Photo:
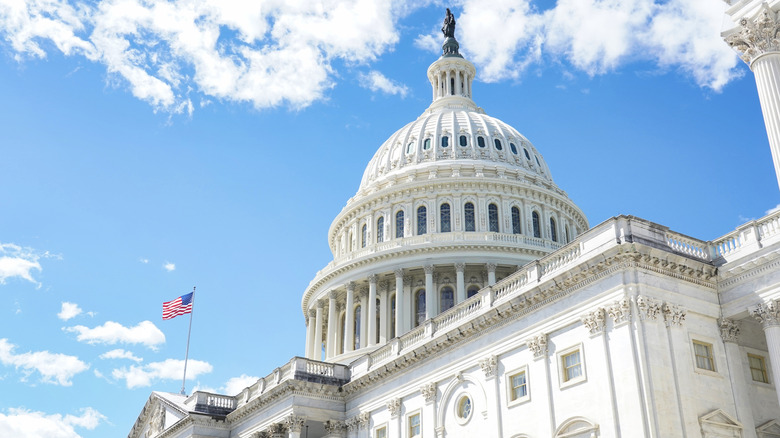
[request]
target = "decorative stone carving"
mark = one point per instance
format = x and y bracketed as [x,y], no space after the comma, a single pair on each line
[757,37]
[620,311]
[538,344]
[372,278]
[595,321]
[649,308]
[157,423]
[351,286]
[335,426]
[768,314]
[294,423]
[673,314]
[352,424]
[491,267]
[333,295]
[394,406]
[261,434]
[399,273]
[428,269]
[278,430]
[729,330]
[429,392]
[363,420]
[460,267]
[489,366]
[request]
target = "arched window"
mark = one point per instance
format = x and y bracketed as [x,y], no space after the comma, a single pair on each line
[452,86]
[445,218]
[468,217]
[419,307]
[513,148]
[410,147]
[566,231]
[527,155]
[516,221]
[357,328]
[445,141]
[471,291]
[497,143]
[553,230]
[422,218]
[392,316]
[380,229]
[537,227]
[446,298]
[493,217]
[481,141]
[427,144]
[363,236]
[399,224]
[464,141]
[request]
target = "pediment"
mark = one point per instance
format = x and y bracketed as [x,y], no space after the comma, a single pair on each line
[157,415]
[720,418]
[770,429]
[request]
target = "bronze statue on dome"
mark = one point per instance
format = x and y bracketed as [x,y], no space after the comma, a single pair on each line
[448,29]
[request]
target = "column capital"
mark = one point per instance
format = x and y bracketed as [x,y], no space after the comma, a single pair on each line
[729,330]
[351,286]
[460,267]
[332,295]
[491,267]
[756,37]
[294,423]
[372,279]
[489,366]
[394,406]
[321,303]
[595,321]
[399,273]
[538,345]
[429,392]
[312,313]
[428,269]
[768,314]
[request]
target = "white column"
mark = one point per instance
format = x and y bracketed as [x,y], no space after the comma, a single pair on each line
[399,302]
[458,88]
[430,302]
[317,353]
[751,40]
[372,328]
[310,333]
[729,331]
[460,284]
[447,86]
[768,314]
[491,268]
[383,312]
[349,318]
[363,319]
[330,344]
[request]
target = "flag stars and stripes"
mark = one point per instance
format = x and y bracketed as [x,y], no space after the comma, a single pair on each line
[179,306]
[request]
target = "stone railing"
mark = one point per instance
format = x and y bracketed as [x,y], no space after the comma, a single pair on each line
[750,236]
[209,403]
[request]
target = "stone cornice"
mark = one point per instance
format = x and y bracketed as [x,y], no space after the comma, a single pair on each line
[286,388]
[767,263]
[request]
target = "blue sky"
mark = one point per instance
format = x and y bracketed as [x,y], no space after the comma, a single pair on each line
[149,147]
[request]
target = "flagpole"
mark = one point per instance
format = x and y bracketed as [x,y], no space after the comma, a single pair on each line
[187,354]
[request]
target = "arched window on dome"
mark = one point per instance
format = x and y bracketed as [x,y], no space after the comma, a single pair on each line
[445,141]
[468,217]
[399,224]
[566,233]
[422,219]
[392,317]
[464,141]
[427,144]
[419,307]
[553,230]
[537,225]
[380,229]
[481,141]
[513,148]
[363,236]
[527,155]
[493,217]
[444,215]
[516,221]
[446,298]
[452,86]
[498,145]
[471,291]
[356,327]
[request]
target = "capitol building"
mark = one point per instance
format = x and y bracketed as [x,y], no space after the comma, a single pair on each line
[469,296]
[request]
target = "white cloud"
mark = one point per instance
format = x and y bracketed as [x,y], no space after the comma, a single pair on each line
[69,310]
[139,376]
[773,210]
[281,52]
[54,368]
[376,81]
[111,332]
[237,384]
[170,267]
[143,260]
[22,423]
[428,42]
[504,37]
[17,261]
[120,354]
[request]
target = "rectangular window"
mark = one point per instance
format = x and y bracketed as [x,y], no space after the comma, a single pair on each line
[703,353]
[414,425]
[519,386]
[572,365]
[757,368]
[381,432]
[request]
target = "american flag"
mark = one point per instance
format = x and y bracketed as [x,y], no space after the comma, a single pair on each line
[179,306]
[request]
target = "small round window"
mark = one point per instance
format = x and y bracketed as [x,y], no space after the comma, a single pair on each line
[464,408]
[427,144]
[445,141]
[513,147]
[497,142]
[481,142]
[527,155]
[463,140]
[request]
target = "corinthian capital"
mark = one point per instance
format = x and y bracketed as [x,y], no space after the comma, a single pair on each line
[756,37]
[768,314]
